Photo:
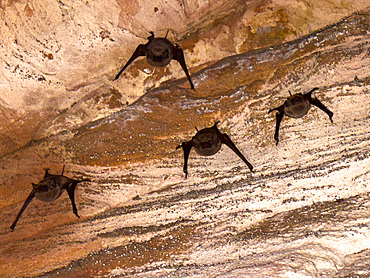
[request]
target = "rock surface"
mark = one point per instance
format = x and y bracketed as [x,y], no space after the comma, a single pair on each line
[304,212]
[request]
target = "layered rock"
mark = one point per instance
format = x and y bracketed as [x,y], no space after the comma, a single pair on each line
[304,211]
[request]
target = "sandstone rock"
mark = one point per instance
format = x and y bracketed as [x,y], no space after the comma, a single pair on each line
[305,210]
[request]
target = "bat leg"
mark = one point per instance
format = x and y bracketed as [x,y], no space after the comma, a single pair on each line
[186,147]
[279,117]
[225,139]
[26,203]
[63,170]
[310,92]
[71,193]
[178,55]
[317,103]
[140,51]
[280,109]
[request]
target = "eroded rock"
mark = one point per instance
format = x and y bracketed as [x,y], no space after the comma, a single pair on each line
[304,211]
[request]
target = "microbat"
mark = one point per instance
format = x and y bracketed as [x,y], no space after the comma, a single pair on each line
[208,142]
[296,106]
[50,189]
[159,52]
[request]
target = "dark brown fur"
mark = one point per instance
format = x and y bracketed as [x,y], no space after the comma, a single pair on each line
[49,189]
[159,52]
[207,142]
[296,106]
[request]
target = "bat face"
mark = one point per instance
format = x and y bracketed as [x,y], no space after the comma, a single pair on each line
[159,52]
[48,190]
[296,106]
[206,142]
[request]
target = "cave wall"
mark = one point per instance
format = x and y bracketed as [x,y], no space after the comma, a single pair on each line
[60,105]
[59,57]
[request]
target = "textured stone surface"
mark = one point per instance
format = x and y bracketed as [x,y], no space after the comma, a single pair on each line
[59,57]
[304,212]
